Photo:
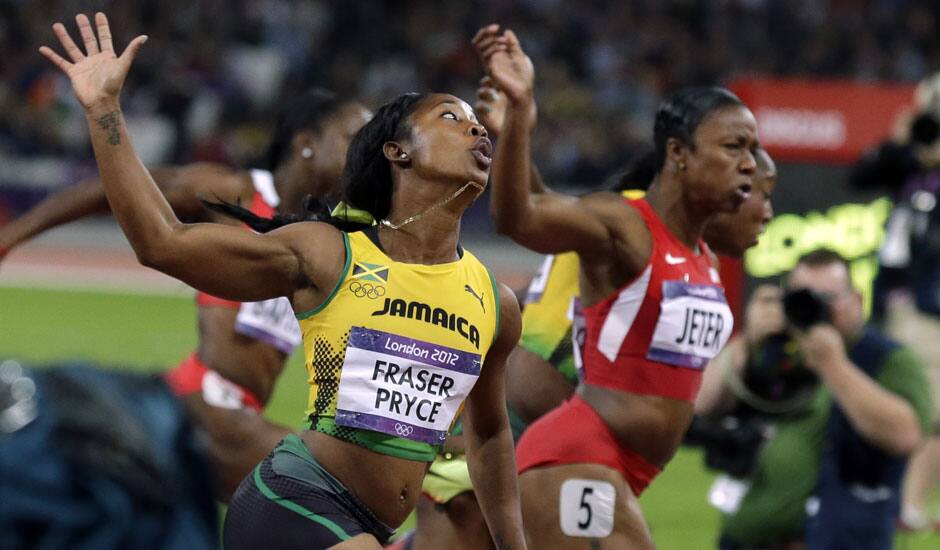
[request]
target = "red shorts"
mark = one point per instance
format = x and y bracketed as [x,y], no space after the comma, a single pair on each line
[193,376]
[575,434]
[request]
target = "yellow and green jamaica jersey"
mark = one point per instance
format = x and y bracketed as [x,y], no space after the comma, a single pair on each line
[393,352]
[548,313]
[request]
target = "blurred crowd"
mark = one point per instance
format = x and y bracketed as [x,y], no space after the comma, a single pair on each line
[207,83]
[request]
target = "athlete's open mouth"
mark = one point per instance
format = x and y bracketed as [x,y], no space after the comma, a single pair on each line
[743,192]
[482,151]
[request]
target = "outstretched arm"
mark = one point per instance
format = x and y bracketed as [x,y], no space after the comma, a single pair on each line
[545,222]
[222,260]
[77,201]
[86,198]
[488,437]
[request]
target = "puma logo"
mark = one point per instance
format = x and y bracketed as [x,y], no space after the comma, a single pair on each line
[475,295]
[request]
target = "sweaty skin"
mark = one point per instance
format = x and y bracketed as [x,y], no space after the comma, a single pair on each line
[304,261]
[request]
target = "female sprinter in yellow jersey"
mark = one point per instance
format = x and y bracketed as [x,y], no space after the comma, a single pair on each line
[401,326]
[242,347]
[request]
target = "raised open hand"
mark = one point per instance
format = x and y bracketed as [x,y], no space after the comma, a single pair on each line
[506,63]
[98,74]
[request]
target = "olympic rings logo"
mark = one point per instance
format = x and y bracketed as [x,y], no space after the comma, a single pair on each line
[403,430]
[366,290]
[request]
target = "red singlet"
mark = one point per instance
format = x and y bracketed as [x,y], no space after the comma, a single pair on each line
[656,334]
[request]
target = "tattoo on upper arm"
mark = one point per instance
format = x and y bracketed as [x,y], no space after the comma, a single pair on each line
[111,122]
[501,543]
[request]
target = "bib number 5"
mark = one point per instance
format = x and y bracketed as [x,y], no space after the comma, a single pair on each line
[586,508]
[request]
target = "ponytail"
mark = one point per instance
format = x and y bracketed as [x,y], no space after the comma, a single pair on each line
[343,217]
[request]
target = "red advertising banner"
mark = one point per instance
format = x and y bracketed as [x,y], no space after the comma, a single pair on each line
[822,120]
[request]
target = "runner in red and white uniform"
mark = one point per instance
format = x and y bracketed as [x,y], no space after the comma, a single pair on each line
[652,297]
[227,380]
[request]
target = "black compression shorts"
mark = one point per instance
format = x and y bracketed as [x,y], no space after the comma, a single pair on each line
[290,501]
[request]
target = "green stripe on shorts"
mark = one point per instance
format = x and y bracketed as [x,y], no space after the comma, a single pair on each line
[294,507]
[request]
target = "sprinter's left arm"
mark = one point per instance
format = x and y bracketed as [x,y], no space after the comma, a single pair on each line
[488,437]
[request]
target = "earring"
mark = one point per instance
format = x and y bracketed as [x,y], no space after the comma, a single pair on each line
[403,155]
[306,152]
[681,166]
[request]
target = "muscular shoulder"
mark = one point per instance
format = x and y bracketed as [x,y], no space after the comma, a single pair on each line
[320,248]
[630,238]
[315,239]
[609,205]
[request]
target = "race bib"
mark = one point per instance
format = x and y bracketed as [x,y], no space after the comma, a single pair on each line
[540,281]
[271,321]
[403,387]
[694,324]
[586,508]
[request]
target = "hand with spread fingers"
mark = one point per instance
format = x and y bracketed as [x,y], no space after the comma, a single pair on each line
[509,67]
[97,74]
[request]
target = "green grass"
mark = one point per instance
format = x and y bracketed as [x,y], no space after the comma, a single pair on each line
[154,333]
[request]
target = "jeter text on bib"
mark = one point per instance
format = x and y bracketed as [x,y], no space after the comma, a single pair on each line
[694,324]
[403,387]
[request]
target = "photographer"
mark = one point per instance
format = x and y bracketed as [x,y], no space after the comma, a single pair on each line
[839,449]
[908,167]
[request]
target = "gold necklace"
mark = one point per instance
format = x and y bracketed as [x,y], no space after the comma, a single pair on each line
[420,215]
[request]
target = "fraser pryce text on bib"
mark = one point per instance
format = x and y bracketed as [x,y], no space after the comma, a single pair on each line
[402,386]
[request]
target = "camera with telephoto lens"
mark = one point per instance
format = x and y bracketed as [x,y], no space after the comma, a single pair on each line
[729,443]
[804,308]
